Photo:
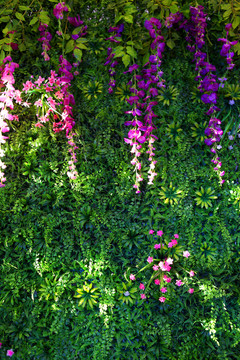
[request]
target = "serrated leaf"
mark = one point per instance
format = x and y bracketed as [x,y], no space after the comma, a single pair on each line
[69,46]
[131,52]
[33,21]
[170,43]
[128,18]
[126,60]
[78,54]
[19,16]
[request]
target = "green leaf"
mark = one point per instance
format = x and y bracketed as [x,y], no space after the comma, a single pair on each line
[131,52]
[236,22]
[126,60]
[4,19]
[19,16]
[82,46]
[78,54]
[33,21]
[128,18]
[118,51]
[44,18]
[69,46]
[24,8]
[170,43]
[2,56]
[174,9]
[146,58]
[22,47]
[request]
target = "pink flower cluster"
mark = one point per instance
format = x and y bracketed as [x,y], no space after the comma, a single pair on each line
[45,38]
[162,268]
[58,10]
[144,88]
[10,352]
[6,103]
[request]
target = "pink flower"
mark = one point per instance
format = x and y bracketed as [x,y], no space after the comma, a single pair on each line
[157,281]
[10,353]
[132,277]
[179,282]
[176,236]
[191,273]
[150,259]
[170,261]
[143,296]
[174,242]
[0,345]
[163,290]
[191,291]
[170,244]
[155,268]
[162,299]
[141,286]
[160,233]
[151,232]
[157,246]
[186,254]
[167,279]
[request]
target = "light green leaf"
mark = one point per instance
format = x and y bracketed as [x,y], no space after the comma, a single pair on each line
[126,60]
[2,56]
[236,22]
[69,46]
[128,18]
[131,52]
[19,16]
[33,21]
[78,54]
[174,9]
[82,46]
[22,47]
[44,18]
[4,19]
[24,8]
[170,43]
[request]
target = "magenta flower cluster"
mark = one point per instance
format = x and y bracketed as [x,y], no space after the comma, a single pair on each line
[45,39]
[144,88]
[163,267]
[58,10]
[9,353]
[110,60]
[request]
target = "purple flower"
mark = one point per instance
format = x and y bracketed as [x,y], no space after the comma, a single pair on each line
[58,10]
[75,21]
[231,102]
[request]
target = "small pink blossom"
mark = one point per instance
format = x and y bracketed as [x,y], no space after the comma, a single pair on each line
[162,299]
[191,273]
[0,345]
[170,244]
[132,277]
[10,352]
[163,289]
[167,279]
[151,232]
[155,267]
[150,259]
[179,282]
[157,281]
[176,236]
[160,233]
[141,286]
[143,296]
[157,246]
[186,254]
[191,291]
[174,242]
[170,261]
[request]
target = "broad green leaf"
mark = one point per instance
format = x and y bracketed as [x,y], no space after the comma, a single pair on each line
[82,46]
[22,47]
[146,58]
[126,60]
[7,47]
[24,8]
[78,54]
[128,18]
[174,8]
[2,56]
[19,16]
[236,22]
[33,21]
[4,19]
[131,52]
[69,46]
[170,43]
[118,51]
[44,18]
[77,30]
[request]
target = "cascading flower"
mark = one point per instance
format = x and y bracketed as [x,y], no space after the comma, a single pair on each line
[45,38]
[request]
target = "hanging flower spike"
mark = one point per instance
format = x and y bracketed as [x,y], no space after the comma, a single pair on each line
[58,10]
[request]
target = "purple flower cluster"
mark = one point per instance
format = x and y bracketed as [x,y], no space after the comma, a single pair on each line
[226,48]
[77,22]
[45,38]
[144,89]
[110,55]
[58,10]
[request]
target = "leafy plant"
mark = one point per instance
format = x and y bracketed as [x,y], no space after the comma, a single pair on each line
[88,295]
[204,197]
[170,194]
